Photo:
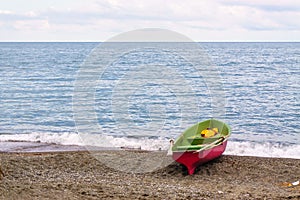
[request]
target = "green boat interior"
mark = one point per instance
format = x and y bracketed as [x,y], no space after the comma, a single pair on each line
[192,140]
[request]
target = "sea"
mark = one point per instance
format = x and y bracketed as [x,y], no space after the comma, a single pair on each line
[141,97]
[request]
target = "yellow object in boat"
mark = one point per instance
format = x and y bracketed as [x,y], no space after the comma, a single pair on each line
[209,132]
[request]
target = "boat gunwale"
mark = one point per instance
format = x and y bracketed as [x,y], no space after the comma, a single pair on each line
[197,150]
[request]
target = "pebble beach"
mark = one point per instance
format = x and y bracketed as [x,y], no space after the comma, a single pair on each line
[79,175]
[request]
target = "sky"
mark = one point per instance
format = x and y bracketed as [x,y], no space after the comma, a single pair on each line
[200,20]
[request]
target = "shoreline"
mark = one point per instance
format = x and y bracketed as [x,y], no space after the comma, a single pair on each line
[265,150]
[79,175]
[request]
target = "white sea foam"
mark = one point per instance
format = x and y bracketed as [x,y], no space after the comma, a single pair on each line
[241,148]
[263,149]
[63,138]
[89,140]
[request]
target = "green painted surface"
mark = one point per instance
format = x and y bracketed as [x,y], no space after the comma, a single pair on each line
[191,138]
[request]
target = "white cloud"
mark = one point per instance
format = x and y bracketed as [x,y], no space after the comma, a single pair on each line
[32,25]
[31,14]
[267,5]
[199,19]
[5,12]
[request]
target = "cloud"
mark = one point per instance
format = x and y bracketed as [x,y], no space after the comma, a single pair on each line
[109,17]
[5,12]
[202,14]
[9,16]
[250,15]
[266,5]
[26,25]
[23,21]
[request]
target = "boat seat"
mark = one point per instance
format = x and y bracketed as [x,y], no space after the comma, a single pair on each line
[201,140]
[190,147]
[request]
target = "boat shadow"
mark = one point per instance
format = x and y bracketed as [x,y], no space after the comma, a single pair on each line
[209,168]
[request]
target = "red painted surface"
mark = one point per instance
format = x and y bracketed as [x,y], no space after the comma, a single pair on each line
[192,159]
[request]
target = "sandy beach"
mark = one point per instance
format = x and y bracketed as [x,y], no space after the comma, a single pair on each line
[79,175]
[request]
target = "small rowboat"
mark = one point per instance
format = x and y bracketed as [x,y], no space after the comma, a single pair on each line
[193,148]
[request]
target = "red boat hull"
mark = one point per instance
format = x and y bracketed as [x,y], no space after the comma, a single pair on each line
[192,159]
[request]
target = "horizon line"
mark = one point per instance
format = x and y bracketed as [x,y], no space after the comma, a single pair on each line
[204,41]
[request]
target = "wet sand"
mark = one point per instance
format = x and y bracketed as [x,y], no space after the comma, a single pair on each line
[79,175]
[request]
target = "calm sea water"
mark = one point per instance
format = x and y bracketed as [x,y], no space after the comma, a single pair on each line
[260,83]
